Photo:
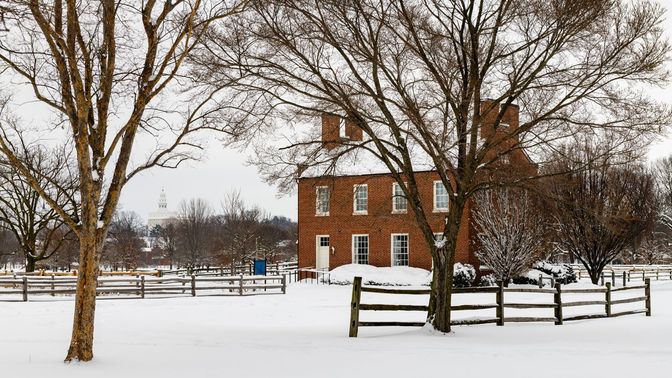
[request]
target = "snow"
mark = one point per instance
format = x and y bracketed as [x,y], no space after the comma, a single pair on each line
[372,275]
[304,334]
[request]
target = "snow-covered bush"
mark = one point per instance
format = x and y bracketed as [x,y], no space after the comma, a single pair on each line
[488,280]
[558,271]
[463,275]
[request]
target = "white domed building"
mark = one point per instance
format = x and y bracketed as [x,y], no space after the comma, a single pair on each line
[162,216]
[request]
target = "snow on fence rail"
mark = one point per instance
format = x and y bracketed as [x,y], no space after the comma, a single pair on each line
[500,304]
[142,286]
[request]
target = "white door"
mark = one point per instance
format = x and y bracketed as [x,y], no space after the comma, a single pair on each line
[322,260]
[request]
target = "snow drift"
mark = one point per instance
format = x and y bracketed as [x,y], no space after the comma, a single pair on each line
[386,276]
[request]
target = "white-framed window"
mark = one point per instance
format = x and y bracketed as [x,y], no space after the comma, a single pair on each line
[399,201]
[360,202]
[399,249]
[505,159]
[440,197]
[322,195]
[360,249]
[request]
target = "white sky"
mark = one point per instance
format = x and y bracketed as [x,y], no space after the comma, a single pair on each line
[224,170]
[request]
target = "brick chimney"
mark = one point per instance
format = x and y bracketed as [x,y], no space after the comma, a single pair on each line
[336,129]
[490,110]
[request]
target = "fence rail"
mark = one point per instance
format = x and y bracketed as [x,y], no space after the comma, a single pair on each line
[627,273]
[499,305]
[141,286]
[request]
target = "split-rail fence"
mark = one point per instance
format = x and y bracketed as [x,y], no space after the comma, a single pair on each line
[500,304]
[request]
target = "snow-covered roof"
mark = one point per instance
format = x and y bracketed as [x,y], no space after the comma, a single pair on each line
[358,161]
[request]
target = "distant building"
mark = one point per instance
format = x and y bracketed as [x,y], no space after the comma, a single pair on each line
[162,216]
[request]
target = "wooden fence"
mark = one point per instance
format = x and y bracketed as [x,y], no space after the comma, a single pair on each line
[499,305]
[141,286]
[627,273]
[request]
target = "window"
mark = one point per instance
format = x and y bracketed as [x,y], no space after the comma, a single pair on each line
[322,200]
[399,201]
[440,197]
[360,249]
[505,159]
[399,249]
[323,241]
[361,199]
[503,125]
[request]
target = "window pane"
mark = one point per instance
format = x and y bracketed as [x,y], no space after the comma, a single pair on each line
[400,250]
[361,198]
[360,246]
[399,202]
[440,196]
[322,206]
[324,241]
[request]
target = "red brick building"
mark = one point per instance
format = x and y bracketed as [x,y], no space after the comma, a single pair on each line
[363,218]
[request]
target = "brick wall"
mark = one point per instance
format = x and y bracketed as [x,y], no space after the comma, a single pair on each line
[379,222]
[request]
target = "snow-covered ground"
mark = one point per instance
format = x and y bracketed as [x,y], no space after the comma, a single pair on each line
[304,334]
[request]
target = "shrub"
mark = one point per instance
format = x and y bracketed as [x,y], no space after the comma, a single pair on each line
[488,280]
[558,271]
[463,275]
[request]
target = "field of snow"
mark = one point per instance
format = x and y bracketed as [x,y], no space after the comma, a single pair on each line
[304,334]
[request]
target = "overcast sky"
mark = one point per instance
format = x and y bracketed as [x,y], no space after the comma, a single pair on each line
[225,170]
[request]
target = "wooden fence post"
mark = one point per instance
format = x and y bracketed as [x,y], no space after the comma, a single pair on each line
[602,278]
[354,306]
[579,275]
[53,278]
[142,287]
[628,276]
[643,275]
[647,293]
[25,288]
[500,303]
[137,283]
[193,285]
[541,281]
[657,274]
[624,281]
[613,278]
[607,298]
[240,287]
[284,284]
[558,304]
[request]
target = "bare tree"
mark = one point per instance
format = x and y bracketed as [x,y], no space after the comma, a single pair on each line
[414,77]
[510,232]
[111,72]
[602,210]
[35,225]
[663,173]
[125,243]
[240,229]
[194,232]
[166,240]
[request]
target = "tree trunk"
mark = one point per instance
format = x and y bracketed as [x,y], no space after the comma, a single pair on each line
[81,343]
[440,300]
[30,263]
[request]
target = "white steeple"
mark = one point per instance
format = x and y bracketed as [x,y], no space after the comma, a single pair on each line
[163,203]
